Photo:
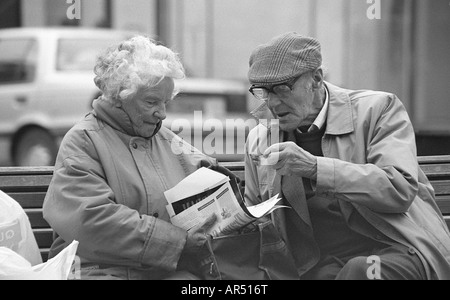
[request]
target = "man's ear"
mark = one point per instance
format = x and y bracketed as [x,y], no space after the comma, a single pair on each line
[317,78]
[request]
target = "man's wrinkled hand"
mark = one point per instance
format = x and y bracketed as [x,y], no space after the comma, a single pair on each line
[290,159]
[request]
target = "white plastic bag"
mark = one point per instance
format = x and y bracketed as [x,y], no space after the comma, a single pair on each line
[15,267]
[15,230]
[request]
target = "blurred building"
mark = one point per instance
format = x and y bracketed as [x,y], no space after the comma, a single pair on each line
[401,46]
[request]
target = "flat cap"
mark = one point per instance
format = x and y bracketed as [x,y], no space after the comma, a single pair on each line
[284,57]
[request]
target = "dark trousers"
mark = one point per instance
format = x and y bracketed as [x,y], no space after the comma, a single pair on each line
[391,263]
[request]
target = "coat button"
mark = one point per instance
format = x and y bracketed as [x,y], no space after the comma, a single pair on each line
[411,251]
[156,215]
[134,145]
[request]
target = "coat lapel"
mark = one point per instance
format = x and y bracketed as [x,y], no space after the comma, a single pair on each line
[294,191]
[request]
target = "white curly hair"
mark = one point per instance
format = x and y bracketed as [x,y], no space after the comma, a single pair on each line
[136,62]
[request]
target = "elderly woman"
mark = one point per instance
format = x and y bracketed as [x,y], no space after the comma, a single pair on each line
[114,166]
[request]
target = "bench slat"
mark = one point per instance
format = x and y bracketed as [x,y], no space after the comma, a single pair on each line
[20,171]
[44,237]
[233,166]
[36,218]
[444,204]
[28,200]
[440,159]
[20,183]
[441,187]
[433,170]
[44,253]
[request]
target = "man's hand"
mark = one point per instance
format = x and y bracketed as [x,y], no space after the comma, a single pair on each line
[289,159]
[197,235]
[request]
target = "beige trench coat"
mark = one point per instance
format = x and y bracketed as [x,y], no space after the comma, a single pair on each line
[370,167]
[107,193]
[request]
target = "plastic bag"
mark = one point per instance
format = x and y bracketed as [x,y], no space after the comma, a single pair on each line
[260,254]
[15,267]
[15,230]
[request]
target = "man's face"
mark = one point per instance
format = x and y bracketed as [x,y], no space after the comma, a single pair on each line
[297,108]
[147,107]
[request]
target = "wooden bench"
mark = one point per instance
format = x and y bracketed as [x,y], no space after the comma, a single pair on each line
[28,186]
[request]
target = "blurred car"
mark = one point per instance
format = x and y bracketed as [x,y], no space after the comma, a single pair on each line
[46,86]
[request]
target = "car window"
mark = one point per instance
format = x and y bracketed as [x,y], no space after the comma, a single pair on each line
[17,60]
[80,54]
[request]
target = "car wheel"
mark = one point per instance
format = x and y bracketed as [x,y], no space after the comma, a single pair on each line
[35,147]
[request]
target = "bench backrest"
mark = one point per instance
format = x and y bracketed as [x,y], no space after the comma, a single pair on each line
[28,186]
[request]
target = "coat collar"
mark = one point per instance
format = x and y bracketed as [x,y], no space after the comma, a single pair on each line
[339,116]
[115,116]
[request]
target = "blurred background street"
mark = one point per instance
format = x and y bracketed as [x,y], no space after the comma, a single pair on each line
[398,46]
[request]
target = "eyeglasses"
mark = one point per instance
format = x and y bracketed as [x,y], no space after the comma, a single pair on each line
[282,89]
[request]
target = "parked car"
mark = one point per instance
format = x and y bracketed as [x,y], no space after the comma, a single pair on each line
[213,116]
[46,86]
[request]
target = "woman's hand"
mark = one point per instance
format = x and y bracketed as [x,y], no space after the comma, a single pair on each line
[197,235]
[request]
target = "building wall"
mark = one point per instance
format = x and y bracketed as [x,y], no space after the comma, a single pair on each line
[41,13]
[405,51]
[432,67]
[216,37]
[141,16]
[34,13]
[10,13]
[239,26]
[334,39]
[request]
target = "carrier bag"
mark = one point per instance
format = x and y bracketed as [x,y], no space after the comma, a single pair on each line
[257,255]
[15,230]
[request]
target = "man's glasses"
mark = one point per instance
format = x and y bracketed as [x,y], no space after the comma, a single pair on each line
[282,89]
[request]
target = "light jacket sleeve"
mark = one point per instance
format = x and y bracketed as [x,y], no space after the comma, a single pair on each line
[388,181]
[81,206]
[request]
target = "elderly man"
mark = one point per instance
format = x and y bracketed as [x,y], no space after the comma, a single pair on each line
[345,162]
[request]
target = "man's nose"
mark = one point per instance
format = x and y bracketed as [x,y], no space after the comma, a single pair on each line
[273,100]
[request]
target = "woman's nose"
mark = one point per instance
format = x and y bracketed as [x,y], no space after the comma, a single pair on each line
[160,112]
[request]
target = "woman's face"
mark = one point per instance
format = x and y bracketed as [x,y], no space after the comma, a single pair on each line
[147,107]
